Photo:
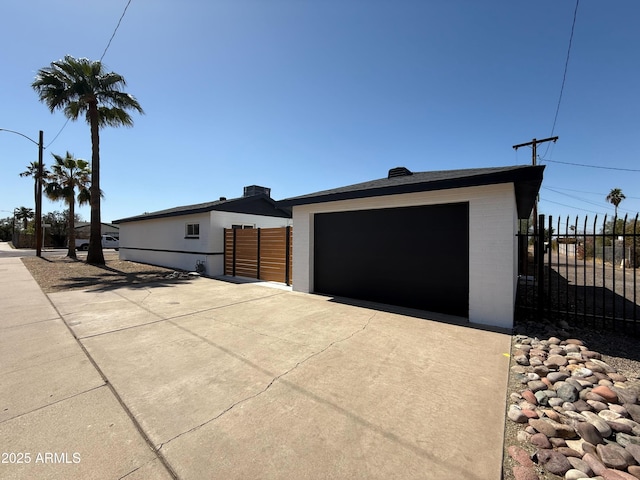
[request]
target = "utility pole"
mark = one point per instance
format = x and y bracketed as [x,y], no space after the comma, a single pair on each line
[534,156]
[538,231]
[39,181]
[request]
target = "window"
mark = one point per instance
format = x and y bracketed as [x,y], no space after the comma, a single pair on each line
[239,227]
[193,230]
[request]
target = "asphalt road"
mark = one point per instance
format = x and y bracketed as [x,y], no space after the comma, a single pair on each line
[46,252]
[621,281]
[29,252]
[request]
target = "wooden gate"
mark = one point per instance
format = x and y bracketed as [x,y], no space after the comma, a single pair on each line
[262,253]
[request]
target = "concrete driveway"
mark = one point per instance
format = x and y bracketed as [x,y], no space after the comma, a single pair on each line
[237,381]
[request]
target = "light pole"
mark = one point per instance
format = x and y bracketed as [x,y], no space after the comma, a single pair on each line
[40,143]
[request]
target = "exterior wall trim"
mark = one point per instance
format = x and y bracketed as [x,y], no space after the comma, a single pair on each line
[192,252]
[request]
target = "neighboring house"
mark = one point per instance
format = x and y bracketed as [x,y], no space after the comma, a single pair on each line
[183,236]
[83,229]
[441,241]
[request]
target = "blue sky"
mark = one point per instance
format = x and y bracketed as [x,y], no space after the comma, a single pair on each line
[301,95]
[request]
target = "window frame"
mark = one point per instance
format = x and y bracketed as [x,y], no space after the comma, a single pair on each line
[195,230]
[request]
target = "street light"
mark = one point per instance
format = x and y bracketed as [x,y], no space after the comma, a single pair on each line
[38,186]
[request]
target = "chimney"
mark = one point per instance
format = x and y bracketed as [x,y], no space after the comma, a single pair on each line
[222,199]
[252,190]
[399,172]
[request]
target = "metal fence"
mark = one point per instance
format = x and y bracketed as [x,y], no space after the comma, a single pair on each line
[584,272]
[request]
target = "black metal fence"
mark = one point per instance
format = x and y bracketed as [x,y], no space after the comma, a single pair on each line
[581,271]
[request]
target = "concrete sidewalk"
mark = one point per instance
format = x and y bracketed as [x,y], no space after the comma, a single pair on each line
[209,379]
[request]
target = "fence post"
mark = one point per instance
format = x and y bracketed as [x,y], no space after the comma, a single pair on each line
[540,263]
[258,257]
[233,263]
[287,260]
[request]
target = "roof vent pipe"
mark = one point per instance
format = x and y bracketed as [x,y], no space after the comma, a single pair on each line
[399,172]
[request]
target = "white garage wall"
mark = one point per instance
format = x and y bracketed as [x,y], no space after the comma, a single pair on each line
[492,243]
[162,241]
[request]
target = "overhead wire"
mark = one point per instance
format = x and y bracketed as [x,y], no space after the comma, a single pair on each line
[570,206]
[57,134]
[555,119]
[599,205]
[573,196]
[592,166]
[564,75]
[103,54]
[566,67]
[584,191]
[115,30]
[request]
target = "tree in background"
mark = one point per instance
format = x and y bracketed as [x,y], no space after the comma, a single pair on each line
[6,229]
[32,171]
[615,197]
[24,214]
[59,222]
[67,175]
[82,87]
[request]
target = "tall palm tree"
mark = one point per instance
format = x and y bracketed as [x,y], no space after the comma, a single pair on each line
[82,87]
[24,214]
[32,171]
[69,173]
[615,197]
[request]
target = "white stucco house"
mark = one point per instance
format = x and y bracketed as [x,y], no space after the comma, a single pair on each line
[183,236]
[442,241]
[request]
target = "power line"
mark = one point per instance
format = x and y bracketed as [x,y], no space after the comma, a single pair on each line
[57,134]
[573,196]
[591,166]
[103,54]
[581,200]
[566,66]
[584,191]
[569,206]
[115,30]
[564,76]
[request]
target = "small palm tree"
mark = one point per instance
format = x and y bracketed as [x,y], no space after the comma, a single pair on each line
[615,197]
[24,214]
[69,173]
[32,171]
[82,87]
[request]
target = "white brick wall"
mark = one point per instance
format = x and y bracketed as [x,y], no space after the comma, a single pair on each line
[492,244]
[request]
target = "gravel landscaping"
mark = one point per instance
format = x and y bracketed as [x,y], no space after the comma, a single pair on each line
[537,364]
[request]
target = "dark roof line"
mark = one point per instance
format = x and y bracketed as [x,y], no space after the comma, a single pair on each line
[527,180]
[236,205]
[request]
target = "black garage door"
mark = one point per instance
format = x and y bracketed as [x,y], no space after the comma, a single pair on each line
[415,257]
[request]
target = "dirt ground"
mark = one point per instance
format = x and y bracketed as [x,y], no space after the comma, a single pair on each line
[58,273]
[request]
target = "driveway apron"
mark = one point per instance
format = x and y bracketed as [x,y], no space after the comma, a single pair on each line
[241,381]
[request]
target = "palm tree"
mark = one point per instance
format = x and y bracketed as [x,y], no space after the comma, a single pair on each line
[24,214]
[82,87]
[32,171]
[68,174]
[615,197]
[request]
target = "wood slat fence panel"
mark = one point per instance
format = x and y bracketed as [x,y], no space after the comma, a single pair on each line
[261,253]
